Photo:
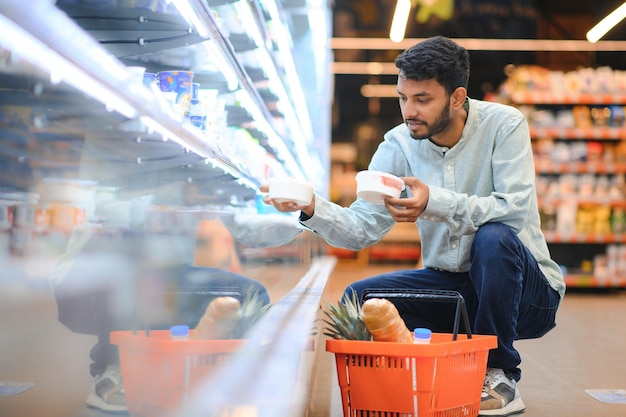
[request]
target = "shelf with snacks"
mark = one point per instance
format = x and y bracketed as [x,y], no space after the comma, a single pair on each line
[591,281]
[591,133]
[565,98]
[580,237]
[578,132]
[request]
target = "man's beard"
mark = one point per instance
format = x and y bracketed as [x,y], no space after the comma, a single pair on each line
[440,125]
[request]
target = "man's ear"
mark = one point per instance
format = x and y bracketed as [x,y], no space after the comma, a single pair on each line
[458,98]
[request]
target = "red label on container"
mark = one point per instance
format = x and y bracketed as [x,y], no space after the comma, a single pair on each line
[389,182]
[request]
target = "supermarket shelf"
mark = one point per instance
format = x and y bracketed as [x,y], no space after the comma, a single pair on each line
[550,167]
[604,133]
[590,281]
[584,202]
[548,97]
[591,238]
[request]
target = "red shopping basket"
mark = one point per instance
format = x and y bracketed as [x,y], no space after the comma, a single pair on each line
[440,379]
[160,373]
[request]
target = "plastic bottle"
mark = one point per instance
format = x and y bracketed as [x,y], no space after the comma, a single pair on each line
[179,332]
[421,336]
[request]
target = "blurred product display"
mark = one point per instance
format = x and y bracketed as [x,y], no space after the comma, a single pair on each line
[577,126]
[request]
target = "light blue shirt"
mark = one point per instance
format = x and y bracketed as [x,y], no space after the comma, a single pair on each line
[488,176]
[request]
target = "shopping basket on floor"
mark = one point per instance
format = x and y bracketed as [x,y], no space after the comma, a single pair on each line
[160,373]
[440,379]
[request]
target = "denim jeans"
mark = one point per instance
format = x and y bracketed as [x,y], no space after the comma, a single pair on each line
[506,294]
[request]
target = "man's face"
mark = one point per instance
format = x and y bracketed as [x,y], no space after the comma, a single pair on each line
[425,107]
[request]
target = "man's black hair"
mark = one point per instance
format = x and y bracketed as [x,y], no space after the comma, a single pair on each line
[439,58]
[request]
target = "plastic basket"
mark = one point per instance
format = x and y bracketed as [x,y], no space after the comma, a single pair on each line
[160,373]
[440,379]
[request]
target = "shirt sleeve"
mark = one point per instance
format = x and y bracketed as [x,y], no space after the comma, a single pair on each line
[357,227]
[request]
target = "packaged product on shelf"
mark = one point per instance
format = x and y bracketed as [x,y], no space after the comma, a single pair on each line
[618,220]
[602,220]
[600,116]
[617,116]
[582,116]
[566,217]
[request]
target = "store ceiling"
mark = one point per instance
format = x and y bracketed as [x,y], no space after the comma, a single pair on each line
[355,116]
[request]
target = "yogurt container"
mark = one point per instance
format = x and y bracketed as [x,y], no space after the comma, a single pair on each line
[374,186]
[284,189]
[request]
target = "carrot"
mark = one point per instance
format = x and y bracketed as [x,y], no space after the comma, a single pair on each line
[219,319]
[382,319]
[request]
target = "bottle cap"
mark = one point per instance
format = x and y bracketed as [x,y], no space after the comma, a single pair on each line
[422,333]
[179,330]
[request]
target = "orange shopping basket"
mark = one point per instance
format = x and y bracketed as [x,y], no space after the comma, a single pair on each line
[440,379]
[160,374]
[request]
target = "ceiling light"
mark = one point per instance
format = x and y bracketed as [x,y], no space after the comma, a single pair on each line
[399,22]
[606,24]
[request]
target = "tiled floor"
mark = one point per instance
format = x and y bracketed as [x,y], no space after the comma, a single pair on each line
[585,351]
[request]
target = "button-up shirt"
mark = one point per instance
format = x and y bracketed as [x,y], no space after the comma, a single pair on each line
[488,176]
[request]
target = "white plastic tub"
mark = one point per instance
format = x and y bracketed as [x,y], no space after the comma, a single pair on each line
[285,189]
[374,186]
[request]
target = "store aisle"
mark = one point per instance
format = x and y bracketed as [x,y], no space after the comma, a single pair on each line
[584,352]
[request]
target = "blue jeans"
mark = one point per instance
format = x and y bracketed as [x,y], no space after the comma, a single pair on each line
[506,294]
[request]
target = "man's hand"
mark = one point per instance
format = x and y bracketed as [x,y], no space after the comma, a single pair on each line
[287,206]
[409,209]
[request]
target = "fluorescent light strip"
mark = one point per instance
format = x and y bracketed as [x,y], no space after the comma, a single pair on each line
[302,121]
[371,68]
[232,81]
[191,16]
[249,22]
[379,90]
[261,123]
[400,19]
[475,44]
[606,24]
[23,44]
[278,88]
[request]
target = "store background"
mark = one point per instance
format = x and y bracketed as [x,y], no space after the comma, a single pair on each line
[488,19]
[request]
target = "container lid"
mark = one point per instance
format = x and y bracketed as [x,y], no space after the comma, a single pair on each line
[385,178]
[179,330]
[422,333]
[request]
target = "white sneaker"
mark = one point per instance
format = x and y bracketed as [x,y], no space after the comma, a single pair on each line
[500,396]
[107,393]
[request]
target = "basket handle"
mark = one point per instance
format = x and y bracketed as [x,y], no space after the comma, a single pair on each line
[429,295]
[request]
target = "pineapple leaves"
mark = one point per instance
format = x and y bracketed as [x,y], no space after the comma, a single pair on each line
[343,320]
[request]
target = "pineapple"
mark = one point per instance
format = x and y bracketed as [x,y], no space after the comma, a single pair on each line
[227,318]
[252,309]
[344,320]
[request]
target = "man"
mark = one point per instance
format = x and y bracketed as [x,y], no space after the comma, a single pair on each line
[470,187]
